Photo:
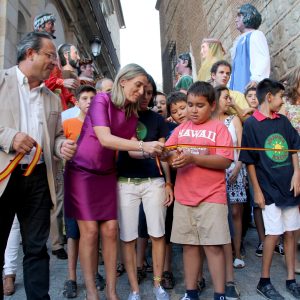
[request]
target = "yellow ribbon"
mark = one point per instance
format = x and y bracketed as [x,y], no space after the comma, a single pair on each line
[14,163]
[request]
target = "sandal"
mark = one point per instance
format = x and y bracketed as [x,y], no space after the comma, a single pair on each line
[201,285]
[167,280]
[9,284]
[70,289]
[120,269]
[238,263]
[147,267]
[141,274]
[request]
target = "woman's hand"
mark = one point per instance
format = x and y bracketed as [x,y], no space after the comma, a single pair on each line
[235,172]
[153,148]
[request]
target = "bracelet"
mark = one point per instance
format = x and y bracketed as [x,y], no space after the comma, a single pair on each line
[157,278]
[169,184]
[141,146]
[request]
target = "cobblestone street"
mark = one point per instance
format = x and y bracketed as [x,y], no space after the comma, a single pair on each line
[246,278]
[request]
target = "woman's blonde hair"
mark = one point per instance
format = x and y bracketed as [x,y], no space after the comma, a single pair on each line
[118,97]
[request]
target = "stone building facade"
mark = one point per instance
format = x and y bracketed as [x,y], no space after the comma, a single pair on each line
[77,22]
[187,22]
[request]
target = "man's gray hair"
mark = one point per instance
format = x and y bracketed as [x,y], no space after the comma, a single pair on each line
[33,40]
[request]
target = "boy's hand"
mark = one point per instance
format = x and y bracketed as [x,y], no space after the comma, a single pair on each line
[295,183]
[182,159]
[169,196]
[259,199]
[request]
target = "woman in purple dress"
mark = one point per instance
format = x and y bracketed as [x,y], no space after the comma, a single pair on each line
[90,178]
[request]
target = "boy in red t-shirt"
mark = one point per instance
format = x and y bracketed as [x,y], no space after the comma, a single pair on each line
[200,211]
[72,128]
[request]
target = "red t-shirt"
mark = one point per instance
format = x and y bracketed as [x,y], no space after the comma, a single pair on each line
[195,184]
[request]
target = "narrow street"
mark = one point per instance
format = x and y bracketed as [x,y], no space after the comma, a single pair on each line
[246,278]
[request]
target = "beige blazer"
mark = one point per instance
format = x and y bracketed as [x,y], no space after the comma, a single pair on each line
[10,124]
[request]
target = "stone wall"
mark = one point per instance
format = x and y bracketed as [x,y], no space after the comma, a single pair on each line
[187,22]
[75,23]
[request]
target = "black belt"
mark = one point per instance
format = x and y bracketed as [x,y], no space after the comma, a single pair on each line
[23,167]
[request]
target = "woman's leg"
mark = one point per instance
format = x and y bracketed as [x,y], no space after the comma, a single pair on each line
[109,231]
[158,257]
[88,247]
[129,257]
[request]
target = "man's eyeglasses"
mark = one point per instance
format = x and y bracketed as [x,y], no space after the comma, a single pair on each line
[51,56]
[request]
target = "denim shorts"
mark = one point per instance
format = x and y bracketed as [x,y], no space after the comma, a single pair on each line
[72,229]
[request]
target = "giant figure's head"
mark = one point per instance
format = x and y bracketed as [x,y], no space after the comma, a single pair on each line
[251,18]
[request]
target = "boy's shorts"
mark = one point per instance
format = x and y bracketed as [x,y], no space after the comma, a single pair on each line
[151,192]
[278,220]
[205,224]
[72,229]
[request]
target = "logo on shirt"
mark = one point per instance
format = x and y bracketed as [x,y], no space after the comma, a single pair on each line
[141,131]
[278,142]
[206,134]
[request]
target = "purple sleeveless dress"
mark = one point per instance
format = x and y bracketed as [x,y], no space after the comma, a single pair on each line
[90,177]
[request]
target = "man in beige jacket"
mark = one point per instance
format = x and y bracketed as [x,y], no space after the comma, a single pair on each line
[30,115]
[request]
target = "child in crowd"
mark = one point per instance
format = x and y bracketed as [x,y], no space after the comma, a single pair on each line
[177,110]
[250,95]
[236,173]
[72,128]
[275,176]
[200,210]
[160,102]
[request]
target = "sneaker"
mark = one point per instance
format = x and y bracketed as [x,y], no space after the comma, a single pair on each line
[134,296]
[231,291]
[201,284]
[259,250]
[160,293]
[100,282]
[70,289]
[186,297]
[279,249]
[269,292]
[294,289]
[238,263]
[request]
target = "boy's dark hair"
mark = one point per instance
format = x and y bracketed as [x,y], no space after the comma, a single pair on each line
[268,86]
[218,91]
[251,88]
[174,98]
[201,88]
[84,88]
[219,63]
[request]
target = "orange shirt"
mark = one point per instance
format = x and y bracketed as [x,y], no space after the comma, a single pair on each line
[72,128]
